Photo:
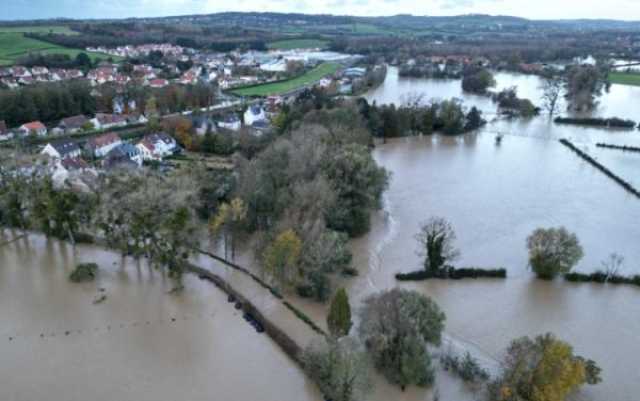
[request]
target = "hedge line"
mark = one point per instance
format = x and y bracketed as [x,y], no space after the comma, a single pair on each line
[451,273]
[602,277]
[624,147]
[602,168]
[614,122]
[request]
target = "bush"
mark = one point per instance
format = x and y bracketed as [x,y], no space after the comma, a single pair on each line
[614,122]
[84,272]
[553,251]
[453,274]
[602,277]
[467,367]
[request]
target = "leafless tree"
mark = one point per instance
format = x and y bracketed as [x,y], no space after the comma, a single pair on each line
[551,87]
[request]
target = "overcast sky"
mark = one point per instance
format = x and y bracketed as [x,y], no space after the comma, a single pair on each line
[538,9]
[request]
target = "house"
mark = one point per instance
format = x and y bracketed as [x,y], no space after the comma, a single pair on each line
[106,121]
[354,72]
[254,113]
[203,124]
[39,71]
[136,118]
[62,149]
[100,145]
[230,122]
[33,128]
[156,146]
[123,155]
[158,83]
[73,124]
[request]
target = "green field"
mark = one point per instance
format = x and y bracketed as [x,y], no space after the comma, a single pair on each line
[15,45]
[278,88]
[298,44]
[59,29]
[625,78]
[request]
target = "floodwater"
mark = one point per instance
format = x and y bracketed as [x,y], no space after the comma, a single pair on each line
[494,196]
[141,343]
[63,347]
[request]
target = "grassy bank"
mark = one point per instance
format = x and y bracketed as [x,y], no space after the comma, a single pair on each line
[625,78]
[291,44]
[14,45]
[277,88]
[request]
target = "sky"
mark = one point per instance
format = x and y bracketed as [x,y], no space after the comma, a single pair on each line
[538,9]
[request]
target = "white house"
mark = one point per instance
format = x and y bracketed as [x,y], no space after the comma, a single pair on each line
[230,122]
[156,146]
[34,127]
[106,121]
[99,146]
[62,149]
[254,113]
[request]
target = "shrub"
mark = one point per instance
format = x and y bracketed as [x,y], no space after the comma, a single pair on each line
[553,251]
[453,274]
[467,367]
[84,272]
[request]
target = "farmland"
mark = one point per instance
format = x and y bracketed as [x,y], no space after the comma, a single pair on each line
[57,29]
[625,78]
[298,44]
[277,88]
[14,45]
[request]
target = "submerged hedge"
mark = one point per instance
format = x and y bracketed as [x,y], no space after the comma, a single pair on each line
[618,147]
[597,122]
[451,273]
[602,278]
[84,272]
[624,184]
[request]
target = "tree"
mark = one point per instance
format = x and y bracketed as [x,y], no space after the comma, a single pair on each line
[551,88]
[477,80]
[474,119]
[340,368]
[584,84]
[541,369]
[227,221]
[553,251]
[436,238]
[339,318]
[397,325]
[281,257]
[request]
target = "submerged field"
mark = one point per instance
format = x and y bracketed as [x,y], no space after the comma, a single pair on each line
[625,78]
[298,44]
[14,45]
[277,88]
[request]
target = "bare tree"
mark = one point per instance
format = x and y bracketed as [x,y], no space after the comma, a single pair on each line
[612,265]
[551,87]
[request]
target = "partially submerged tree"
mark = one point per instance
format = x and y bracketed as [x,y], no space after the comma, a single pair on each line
[281,258]
[397,326]
[339,318]
[553,251]
[227,222]
[541,369]
[340,368]
[436,238]
[551,89]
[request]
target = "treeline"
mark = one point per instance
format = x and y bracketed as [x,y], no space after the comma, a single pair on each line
[448,117]
[613,122]
[46,102]
[81,61]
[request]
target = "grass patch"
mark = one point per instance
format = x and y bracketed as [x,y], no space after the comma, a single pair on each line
[14,45]
[57,29]
[291,44]
[625,78]
[277,88]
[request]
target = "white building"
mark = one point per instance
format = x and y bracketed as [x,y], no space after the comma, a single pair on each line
[62,149]
[156,146]
[254,113]
[99,146]
[230,122]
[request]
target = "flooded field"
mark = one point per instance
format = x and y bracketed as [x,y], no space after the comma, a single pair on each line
[141,343]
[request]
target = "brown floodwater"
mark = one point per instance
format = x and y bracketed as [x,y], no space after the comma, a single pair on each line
[141,343]
[64,347]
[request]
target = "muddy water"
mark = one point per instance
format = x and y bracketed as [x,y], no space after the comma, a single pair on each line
[65,348]
[495,196]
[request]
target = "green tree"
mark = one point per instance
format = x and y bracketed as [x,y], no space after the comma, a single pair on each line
[553,251]
[541,369]
[397,325]
[340,368]
[339,318]
[436,238]
[228,220]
